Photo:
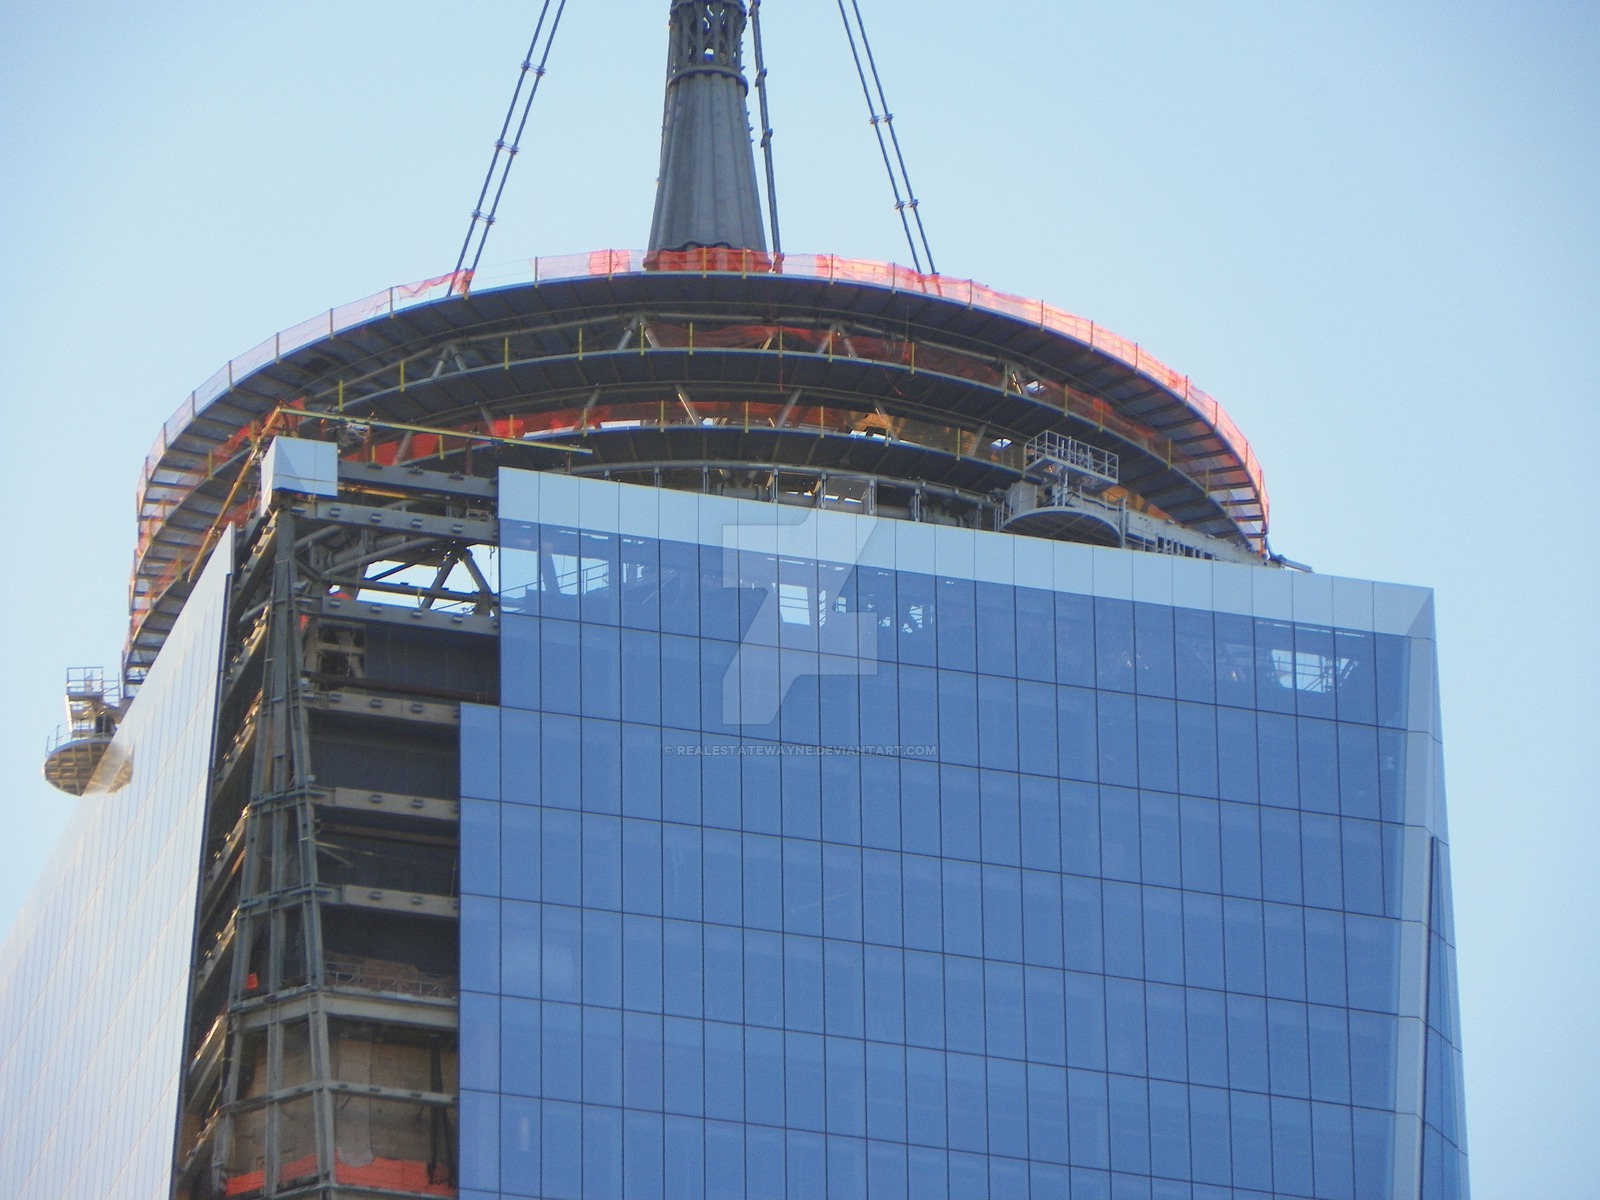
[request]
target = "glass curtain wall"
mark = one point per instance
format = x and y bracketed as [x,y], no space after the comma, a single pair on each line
[94,980]
[809,855]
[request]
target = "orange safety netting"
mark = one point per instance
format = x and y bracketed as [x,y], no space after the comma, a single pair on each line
[381,1174]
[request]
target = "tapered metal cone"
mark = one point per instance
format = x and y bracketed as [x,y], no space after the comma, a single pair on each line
[706,194]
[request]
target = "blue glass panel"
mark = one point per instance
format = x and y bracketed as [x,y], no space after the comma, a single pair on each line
[1125,1027]
[1373,1139]
[1277,670]
[1291,1146]
[1209,1136]
[1043,1012]
[1362,853]
[561,1039]
[880,810]
[1158,744]
[1286,951]
[641,677]
[1373,1060]
[725,1155]
[1119,833]
[1089,1136]
[1319,766]
[1234,645]
[602,1056]
[1080,828]
[480,846]
[1074,639]
[602,862]
[1158,839]
[519,659]
[802,983]
[644,1149]
[1153,644]
[561,773]
[764,1163]
[1244,942]
[1278,758]
[602,959]
[802,798]
[1372,957]
[641,771]
[1124,930]
[1323,877]
[764,1076]
[1197,749]
[956,624]
[997,619]
[599,656]
[1330,1054]
[682,968]
[521,1069]
[1393,661]
[642,1061]
[520,768]
[1325,968]
[805,1081]
[845,1069]
[519,1146]
[641,963]
[561,847]
[724,973]
[1163,935]
[1208,1038]
[1004,1010]
[1035,624]
[1000,818]
[1083,923]
[997,722]
[1251,1129]
[841,892]
[883,969]
[559,679]
[924,902]
[1237,752]
[681,872]
[958,717]
[847,1166]
[641,867]
[963,1004]
[1316,671]
[841,799]
[1203,953]
[843,977]
[1042,929]
[1086,1020]
[724,1071]
[1247,1043]
[1002,913]
[802,887]
[915,623]
[763,978]
[1130,1125]
[1040,824]
[1287,1048]
[886,1091]
[966,1092]
[1116,730]
[924,984]
[1076,733]
[1047,1113]
[1201,843]
[763,882]
[1169,1130]
[1194,659]
[685,1077]
[1280,856]
[1167,1032]
[881,897]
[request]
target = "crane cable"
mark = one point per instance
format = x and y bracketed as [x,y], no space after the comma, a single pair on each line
[505,153]
[879,122]
[766,125]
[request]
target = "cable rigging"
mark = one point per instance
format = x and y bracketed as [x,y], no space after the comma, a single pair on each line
[881,121]
[505,153]
[766,125]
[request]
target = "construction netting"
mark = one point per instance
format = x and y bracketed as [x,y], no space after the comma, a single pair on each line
[1239,486]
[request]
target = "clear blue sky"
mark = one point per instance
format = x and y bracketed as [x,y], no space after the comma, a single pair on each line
[1371,229]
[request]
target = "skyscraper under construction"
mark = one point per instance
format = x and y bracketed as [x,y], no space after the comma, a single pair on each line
[713,722]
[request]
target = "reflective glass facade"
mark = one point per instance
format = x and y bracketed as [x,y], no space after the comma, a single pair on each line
[812,855]
[94,979]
